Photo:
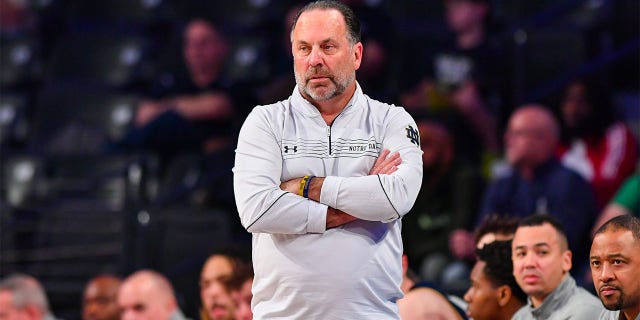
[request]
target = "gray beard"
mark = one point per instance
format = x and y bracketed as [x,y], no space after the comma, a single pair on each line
[337,89]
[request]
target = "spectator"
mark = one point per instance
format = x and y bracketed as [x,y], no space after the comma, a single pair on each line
[541,264]
[412,306]
[615,263]
[494,293]
[148,295]
[625,201]
[192,111]
[100,298]
[239,287]
[217,303]
[418,302]
[427,302]
[594,144]
[448,197]
[464,77]
[22,297]
[539,183]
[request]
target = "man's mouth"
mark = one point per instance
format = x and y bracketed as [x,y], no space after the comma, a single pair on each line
[531,278]
[608,290]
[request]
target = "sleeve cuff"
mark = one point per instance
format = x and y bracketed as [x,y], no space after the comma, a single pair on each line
[317,218]
[329,191]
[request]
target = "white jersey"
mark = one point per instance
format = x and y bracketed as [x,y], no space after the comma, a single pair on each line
[303,271]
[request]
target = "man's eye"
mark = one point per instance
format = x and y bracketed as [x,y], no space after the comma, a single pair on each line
[595,263]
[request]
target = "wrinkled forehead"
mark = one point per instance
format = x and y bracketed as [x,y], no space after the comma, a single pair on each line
[319,23]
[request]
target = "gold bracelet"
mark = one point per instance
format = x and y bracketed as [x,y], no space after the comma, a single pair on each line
[302,183]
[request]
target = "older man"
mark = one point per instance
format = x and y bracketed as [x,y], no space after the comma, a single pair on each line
[615,264]
[315,187]
[23,298]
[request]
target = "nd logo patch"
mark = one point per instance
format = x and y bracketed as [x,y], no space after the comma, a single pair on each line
[413,135]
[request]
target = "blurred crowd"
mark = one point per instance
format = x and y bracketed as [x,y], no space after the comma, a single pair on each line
[508,130]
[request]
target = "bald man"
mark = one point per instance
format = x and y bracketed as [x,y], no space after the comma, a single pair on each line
[99,300]
[539,183]
[148,295]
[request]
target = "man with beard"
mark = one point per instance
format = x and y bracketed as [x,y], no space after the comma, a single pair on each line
[615,263]
[315,185]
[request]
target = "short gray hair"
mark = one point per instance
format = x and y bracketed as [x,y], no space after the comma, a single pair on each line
[25,290]
[354,34]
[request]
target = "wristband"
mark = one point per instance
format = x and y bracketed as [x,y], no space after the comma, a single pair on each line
[305,190]
[303,182]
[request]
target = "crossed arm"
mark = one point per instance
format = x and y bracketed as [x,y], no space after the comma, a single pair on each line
[265,205]
[385,164]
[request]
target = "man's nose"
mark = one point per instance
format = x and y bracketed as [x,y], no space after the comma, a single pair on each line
[316,57]
[529,260]
[606,273]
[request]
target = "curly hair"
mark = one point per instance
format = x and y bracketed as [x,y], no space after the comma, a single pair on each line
[499,267]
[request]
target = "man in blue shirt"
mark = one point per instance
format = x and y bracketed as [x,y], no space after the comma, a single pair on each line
[537,183]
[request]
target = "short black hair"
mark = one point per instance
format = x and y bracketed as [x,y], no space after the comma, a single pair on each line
[624,222]
[354,33]
[496,224]
[536,220]
[499,267]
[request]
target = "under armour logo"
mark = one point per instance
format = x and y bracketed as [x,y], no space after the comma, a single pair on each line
[287,148]
[413,135]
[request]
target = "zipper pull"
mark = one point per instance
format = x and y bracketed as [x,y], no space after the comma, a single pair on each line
[328,131]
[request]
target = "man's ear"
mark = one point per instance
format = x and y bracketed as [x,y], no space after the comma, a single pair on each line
[504,295]
[357,52]
[566,261]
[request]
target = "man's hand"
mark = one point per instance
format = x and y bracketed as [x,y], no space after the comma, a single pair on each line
[386,165]
[291,185]
[336,218]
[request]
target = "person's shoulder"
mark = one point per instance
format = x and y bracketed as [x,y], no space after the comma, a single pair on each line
[561,171]
[587,297]
[584,304]
[269,113]
[387,111]
[523,313]
[609,315]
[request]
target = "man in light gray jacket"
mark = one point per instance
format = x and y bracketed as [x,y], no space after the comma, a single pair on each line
[541,264]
